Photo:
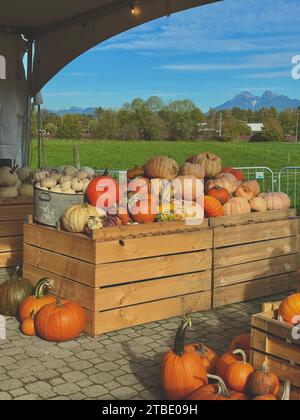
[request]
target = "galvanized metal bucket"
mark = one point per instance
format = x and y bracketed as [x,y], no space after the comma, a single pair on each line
[49,206]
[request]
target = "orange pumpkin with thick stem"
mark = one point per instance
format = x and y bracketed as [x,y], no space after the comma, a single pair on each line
[60,321]
[238,374]
[216,392]
[262,382]
[225,361]
[32,304]
[221,194]
[182,371]
[212,207]
[289,309]
[209,356]
[241,342]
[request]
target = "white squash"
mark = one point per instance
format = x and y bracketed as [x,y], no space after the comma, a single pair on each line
[49,182]
[26,190]
[77,185]
[40,174]
[9,192]
[25,174]
[69,191]
[8,177]
[56,189]
[90,171]
[66,178]
[70,171]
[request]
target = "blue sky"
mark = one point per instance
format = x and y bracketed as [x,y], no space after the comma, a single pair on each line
[207,54]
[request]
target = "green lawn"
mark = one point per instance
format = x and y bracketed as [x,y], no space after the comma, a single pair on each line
[123,155]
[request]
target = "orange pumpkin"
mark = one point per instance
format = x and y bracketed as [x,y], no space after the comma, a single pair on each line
[241,342]
[227,181]
[238,374]
[182,371]
[60,321]
[262,383]
[220,194]
[27,326]
[244,192]
[289,309]
[238,174]
[32,304]
[212,207]
[267,397]
[218,392]
[225,361]
[209,357]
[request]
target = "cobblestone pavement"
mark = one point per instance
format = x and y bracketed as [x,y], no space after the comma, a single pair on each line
[119,365]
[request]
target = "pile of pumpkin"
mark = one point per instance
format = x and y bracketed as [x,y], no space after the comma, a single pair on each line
[187,370]
[16,182]
[40,313]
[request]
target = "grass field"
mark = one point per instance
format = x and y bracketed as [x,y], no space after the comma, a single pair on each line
[123,155]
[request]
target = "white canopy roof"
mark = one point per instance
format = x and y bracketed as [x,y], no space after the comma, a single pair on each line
[64,29]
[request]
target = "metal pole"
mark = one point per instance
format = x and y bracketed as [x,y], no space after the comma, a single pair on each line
[39,136]
[26,150]
[297,126]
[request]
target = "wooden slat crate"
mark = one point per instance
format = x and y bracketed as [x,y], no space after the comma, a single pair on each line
[272,342]
[12,215]
[254,255]
[125,277]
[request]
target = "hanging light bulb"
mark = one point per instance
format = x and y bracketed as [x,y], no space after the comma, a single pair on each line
[133,9]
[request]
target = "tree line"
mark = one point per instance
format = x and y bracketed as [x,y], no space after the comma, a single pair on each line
[152,119]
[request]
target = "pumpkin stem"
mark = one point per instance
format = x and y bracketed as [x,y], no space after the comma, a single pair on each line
[202,350]
[59,303]
[223,391]
[15,275]
[286,396]
[180,336]
[242,353]
[40,289]
[105,173]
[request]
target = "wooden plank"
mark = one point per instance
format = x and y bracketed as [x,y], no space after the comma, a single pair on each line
[64,288]
[11,243]
[61,265]
[15,201]
[273,327]
[285,371]
[18,212]
[11,259]
[72,245]
[276,347]
[13,228]
[151,268]
[267,216]
[256,270]
[90,325]
[146,229]
[295,394]
[148,312]
[235,235]
[144,247]
[254,289]
[146,291]
[226,257]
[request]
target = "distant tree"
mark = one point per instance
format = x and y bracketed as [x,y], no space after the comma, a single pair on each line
[69,127]
[154,104]
[51,128]
[273,131]
[233,129]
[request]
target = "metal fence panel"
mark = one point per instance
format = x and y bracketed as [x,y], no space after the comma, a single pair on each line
[289,183]
[264,175]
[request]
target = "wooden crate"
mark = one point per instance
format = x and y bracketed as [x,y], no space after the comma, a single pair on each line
[125,277]
[12,215]
[254,255]
[272,342]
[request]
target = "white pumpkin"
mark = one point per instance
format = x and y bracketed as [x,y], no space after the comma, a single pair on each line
[8,177]
[258,204]
[9,192]
[83,174]
[49,182]
[40,174]
[25,174]
[69,191]
[66,178]
[77,185]
[89,170]
[86,183]
[76,217]
[26,190]
[70,171]
[66,185]
[56,189]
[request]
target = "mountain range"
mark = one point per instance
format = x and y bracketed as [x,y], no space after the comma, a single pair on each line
[244,100]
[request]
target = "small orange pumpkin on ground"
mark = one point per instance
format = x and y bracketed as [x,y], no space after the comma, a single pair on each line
[216,392]
[182,371]
[238,374]
[32,304]
[212,207]
[60,321]
[27,326]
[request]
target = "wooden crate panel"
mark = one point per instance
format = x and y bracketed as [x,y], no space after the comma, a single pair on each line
[15,212]
[11,259]
[64,288]
[254,289]
[226,257]
[144,247]
[243,219]
[295,394]
[12,228]
[11,243]
[285,371]
[235,235]
[256,270]
[146,291]
[148,312]
[61,265]
[150,268]
[72,245]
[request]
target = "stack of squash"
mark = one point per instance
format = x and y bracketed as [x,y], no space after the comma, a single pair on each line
[195,372]
[16,182]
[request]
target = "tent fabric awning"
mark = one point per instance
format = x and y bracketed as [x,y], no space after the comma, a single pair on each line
[63,30]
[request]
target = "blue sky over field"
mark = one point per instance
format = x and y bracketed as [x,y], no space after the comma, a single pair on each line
[207,54]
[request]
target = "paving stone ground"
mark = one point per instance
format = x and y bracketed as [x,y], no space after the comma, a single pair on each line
[118,365]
